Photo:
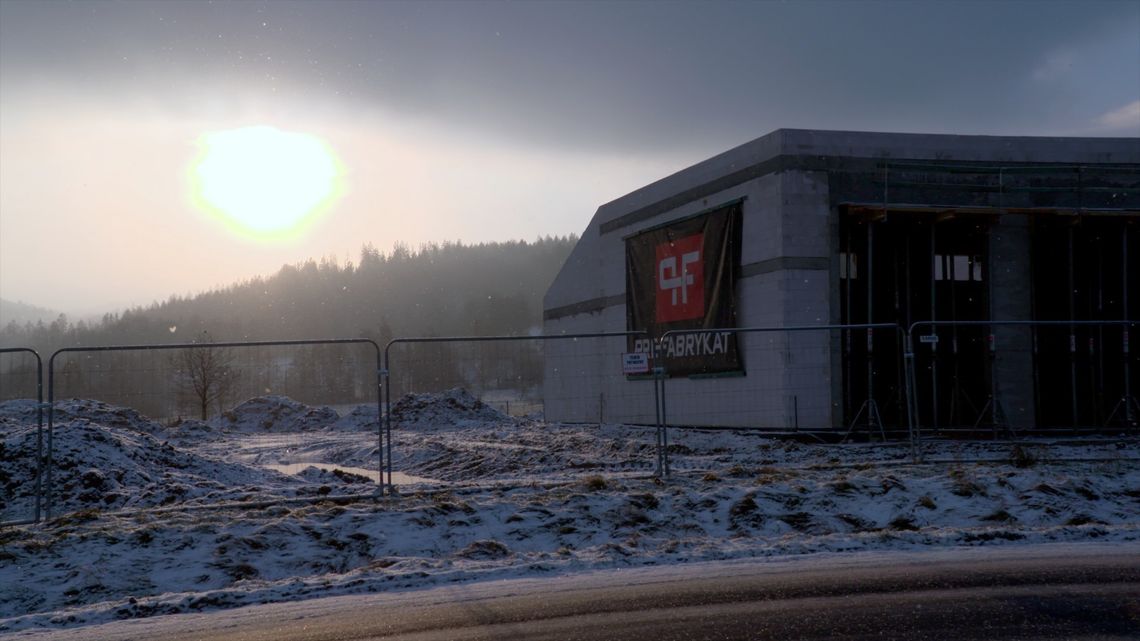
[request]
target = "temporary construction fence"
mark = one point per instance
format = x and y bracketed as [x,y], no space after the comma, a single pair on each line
[208,369]
[503,372]
[15,384]
[1008,378]
[870,381]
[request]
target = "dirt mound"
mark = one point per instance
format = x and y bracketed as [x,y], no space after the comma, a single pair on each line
[188,430]
[18,412]
[96,466]
[73,409]
[453,408]
[362,418]
[276,414]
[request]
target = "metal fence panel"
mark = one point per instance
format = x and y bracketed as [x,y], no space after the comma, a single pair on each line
[797,379]
[826,381]
[176,386]
[454,393]
[21,435]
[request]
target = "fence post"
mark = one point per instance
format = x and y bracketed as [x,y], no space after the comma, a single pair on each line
[664,425]
[48,463]
[381,385]
[909,381]
[39,432]
[659,402]
[388,412]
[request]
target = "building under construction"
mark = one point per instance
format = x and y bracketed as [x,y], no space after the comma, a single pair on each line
[802,228]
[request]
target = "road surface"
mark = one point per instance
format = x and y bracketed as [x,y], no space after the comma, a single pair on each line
[1012,592]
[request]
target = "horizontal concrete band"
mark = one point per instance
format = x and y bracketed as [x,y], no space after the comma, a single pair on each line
[780,263]
[592,306]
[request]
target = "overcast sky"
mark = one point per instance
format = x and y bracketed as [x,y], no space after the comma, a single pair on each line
[479,121]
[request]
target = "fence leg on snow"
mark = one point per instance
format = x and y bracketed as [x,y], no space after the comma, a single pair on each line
[1129,409]
[997,416]
[874,419]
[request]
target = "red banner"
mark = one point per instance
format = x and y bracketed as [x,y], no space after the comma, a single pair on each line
[683,276]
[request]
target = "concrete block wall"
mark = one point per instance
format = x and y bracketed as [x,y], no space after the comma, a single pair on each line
[807,214]
[1010,272]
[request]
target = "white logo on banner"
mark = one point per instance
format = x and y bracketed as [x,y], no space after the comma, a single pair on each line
[670,278]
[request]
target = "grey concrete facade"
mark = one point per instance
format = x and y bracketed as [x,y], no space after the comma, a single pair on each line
[1010,300]
[793,185]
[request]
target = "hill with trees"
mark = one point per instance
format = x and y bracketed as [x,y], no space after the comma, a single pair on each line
[436,290]
[21,313]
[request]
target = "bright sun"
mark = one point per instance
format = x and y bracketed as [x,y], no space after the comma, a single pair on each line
[264,182]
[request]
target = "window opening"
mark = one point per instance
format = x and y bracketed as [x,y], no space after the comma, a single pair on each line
[958,267]
[848,264]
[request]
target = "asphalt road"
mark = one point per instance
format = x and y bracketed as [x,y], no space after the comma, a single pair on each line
[1043,592]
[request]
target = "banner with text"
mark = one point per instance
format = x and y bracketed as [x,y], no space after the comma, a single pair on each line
[683,276]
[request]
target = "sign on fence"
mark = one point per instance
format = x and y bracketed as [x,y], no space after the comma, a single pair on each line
[634,363]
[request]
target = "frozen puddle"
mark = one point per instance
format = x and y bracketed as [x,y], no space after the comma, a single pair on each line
[398,478]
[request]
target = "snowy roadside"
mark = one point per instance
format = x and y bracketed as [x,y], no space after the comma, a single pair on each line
[521,498]
[310,614]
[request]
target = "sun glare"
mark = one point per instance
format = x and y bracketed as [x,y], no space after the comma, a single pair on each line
[264,182]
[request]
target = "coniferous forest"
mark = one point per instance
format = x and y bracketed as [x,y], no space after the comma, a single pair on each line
[448,289]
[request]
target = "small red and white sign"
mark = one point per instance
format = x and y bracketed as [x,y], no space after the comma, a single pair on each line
[635,363]
[681,279]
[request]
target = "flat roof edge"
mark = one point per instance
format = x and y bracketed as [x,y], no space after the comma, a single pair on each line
[742,162]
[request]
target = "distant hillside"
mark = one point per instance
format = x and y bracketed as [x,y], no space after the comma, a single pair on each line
[22,313]
[438,289]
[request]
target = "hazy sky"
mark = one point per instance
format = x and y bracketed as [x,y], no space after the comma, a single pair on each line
[479,121]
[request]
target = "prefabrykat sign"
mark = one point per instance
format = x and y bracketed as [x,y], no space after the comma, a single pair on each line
[683,276]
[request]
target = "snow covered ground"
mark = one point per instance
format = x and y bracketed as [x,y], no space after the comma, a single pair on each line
[137,531]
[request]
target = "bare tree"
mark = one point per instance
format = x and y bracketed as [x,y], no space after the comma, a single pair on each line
[207,372]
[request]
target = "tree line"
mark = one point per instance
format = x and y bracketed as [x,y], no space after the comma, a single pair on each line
[439,289]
